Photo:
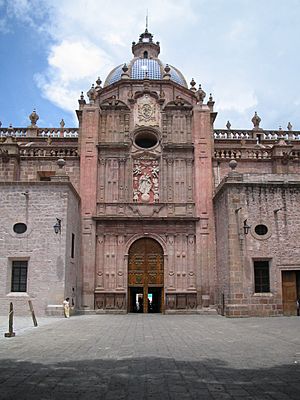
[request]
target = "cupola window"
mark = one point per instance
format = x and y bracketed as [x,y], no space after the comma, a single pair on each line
[145,54]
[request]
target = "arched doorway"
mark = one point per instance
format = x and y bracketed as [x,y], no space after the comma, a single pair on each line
[145,276]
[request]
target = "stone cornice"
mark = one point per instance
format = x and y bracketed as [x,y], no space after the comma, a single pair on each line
[257,180]
[27,185]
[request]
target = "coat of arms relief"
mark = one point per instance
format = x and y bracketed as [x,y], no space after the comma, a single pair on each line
[146,112]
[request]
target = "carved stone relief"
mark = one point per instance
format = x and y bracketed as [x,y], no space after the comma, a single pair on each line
[146,112]
[146,181]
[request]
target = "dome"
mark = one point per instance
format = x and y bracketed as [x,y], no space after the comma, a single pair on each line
[145,64]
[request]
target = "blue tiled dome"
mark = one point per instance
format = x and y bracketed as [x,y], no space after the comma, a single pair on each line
[145,64]
[138,69]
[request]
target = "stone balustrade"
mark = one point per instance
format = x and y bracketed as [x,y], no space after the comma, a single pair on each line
[40,132]
[241,134]
[237,154]
[49,152]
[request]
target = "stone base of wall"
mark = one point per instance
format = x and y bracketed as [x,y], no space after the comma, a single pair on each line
[253,310]
[55,310]
[21,306]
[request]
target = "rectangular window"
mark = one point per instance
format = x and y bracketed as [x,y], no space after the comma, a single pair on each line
[19,276]
[73,245]
[262,276]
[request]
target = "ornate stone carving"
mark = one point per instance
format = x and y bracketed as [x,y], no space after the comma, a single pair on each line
[33,119]
[146,112]
[145,181]
[256,121]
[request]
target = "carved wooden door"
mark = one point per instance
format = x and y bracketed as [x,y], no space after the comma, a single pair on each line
[145,266]
[289,292]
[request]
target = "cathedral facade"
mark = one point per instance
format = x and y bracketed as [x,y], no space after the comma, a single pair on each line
[146,207]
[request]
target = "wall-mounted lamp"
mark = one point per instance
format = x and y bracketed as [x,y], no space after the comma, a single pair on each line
[278,209]
[246,227]
[57,226]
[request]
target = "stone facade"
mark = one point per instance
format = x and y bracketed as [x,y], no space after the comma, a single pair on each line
[163,221]
[52,272]
[268,200]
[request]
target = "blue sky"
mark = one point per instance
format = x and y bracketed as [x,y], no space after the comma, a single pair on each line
[246,52]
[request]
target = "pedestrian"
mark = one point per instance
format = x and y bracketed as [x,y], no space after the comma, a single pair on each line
[298,306]
[66,304]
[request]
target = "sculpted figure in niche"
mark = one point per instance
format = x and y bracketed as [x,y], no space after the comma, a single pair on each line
[145,185]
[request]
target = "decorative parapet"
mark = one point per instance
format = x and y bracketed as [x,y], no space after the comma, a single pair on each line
[61,132]
[241,134]
[49,152]
[237,154]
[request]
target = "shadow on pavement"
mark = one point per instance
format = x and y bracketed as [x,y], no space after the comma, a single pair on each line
[145,378]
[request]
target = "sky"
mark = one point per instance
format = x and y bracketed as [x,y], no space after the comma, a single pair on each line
[245,52]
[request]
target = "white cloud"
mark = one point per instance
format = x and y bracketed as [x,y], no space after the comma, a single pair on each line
[71,65]
[90,38]
[240,50]
[235,96]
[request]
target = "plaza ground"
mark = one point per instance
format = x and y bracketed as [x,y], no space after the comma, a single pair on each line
[137,356]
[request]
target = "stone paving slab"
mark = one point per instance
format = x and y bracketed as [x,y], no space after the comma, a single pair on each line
[152,357]
[23,324]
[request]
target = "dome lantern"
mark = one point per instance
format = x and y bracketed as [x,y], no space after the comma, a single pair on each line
[145,47]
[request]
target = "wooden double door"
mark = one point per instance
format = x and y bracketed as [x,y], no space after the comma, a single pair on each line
[290,291]
[145,276]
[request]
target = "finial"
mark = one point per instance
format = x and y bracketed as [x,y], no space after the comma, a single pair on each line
[0,124]
[256,121]
[280,128]
[33,118]
[91,94]
[61,163]
[125,68]
[62,123]
[146,30]
[210,97]
[233,164]
[228,125]
[81,96]
[98,81]
[167,69]
[201,94]
[193,83]
[290,126]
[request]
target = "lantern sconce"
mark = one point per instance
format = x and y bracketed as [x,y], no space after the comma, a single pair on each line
[57,226]
[246,227]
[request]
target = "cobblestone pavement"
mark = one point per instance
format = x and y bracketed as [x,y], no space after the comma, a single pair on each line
[153,357]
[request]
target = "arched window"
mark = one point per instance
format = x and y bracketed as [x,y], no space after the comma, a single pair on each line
[145,54]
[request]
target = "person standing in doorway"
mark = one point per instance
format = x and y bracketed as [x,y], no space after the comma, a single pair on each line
[298,306]
[66,304]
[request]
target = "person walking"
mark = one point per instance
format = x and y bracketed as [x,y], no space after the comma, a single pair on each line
[66,305]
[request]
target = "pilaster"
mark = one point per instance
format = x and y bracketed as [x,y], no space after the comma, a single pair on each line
[205,232]
[88,193]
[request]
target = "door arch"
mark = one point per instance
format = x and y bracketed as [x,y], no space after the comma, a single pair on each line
[145,276]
